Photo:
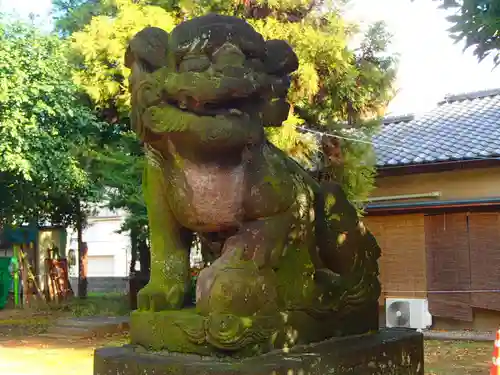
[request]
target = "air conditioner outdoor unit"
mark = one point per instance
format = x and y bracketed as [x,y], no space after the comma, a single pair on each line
[407,312]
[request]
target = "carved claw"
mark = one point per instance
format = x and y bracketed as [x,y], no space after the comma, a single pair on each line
[160,297]
[231,332]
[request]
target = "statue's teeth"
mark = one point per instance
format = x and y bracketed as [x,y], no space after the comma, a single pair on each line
[235,111]
[182,104]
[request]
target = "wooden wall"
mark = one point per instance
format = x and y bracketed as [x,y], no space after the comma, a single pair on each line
[457,252]
[484,245]
[402,264]
[460,184]
[448,265]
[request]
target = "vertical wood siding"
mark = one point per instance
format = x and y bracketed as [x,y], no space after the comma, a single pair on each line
[448,265]
[484,237]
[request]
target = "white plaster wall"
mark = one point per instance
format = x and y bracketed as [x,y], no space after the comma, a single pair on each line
[105,245]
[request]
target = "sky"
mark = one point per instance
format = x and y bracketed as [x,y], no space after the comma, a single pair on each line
[431,65]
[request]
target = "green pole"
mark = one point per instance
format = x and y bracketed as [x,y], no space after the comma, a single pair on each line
[16,278]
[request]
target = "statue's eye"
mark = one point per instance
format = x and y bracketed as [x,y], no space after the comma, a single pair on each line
[198,63]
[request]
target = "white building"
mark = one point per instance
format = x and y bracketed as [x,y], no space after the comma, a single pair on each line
[109,252]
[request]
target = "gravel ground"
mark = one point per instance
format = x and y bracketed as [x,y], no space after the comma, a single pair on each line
[459,335]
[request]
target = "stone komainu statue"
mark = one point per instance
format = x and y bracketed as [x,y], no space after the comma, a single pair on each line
[290,261]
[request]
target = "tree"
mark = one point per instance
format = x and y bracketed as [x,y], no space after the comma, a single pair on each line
[335,87]
[120,166]
[477,22]
[45,130]
[73,15]
[100,49]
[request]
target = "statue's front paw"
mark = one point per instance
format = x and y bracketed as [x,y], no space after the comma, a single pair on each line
[159,297]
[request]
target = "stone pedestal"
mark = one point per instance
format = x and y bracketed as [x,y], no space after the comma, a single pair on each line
[183,331]
[391,351]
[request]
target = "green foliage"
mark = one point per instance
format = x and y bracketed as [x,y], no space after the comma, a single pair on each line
[100,48]
[45,129]
[98,53]
[96,304]
[357,172]
[118,165]
[477,23]
[72,15]
[109,304]
[299,146]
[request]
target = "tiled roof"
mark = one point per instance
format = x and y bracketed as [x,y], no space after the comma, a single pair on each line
[461,127]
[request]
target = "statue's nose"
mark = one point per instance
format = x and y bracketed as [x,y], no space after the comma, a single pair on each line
[228,55]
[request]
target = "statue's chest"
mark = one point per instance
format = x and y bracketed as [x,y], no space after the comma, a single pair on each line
[210,197]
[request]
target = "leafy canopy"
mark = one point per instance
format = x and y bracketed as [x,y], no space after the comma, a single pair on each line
[477,22]
[44,129]
[101,47]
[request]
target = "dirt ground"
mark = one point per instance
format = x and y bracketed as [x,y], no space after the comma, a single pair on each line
[39,357]
[457,357]
[37,318]
[22,352]
[20,323]
[33,356]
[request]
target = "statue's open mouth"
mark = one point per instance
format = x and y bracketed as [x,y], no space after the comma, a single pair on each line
[233,107]
[208,93]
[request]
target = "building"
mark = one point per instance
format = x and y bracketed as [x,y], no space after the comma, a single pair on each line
[109,252]
[436,209]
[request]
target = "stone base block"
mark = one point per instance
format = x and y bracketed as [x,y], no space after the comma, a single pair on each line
[390,351]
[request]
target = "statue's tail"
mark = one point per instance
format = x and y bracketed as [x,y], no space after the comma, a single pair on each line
[347,248]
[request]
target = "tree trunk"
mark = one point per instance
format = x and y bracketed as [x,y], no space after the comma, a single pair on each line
[138,280]
[133,280]
[134,239]
[144,259]
[82,256]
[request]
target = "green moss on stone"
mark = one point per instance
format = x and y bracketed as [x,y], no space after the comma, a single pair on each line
[166,330]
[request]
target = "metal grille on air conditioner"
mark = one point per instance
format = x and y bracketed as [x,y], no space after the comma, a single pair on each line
[408,313]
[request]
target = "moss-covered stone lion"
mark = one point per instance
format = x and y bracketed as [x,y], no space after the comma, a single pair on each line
[290,261]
